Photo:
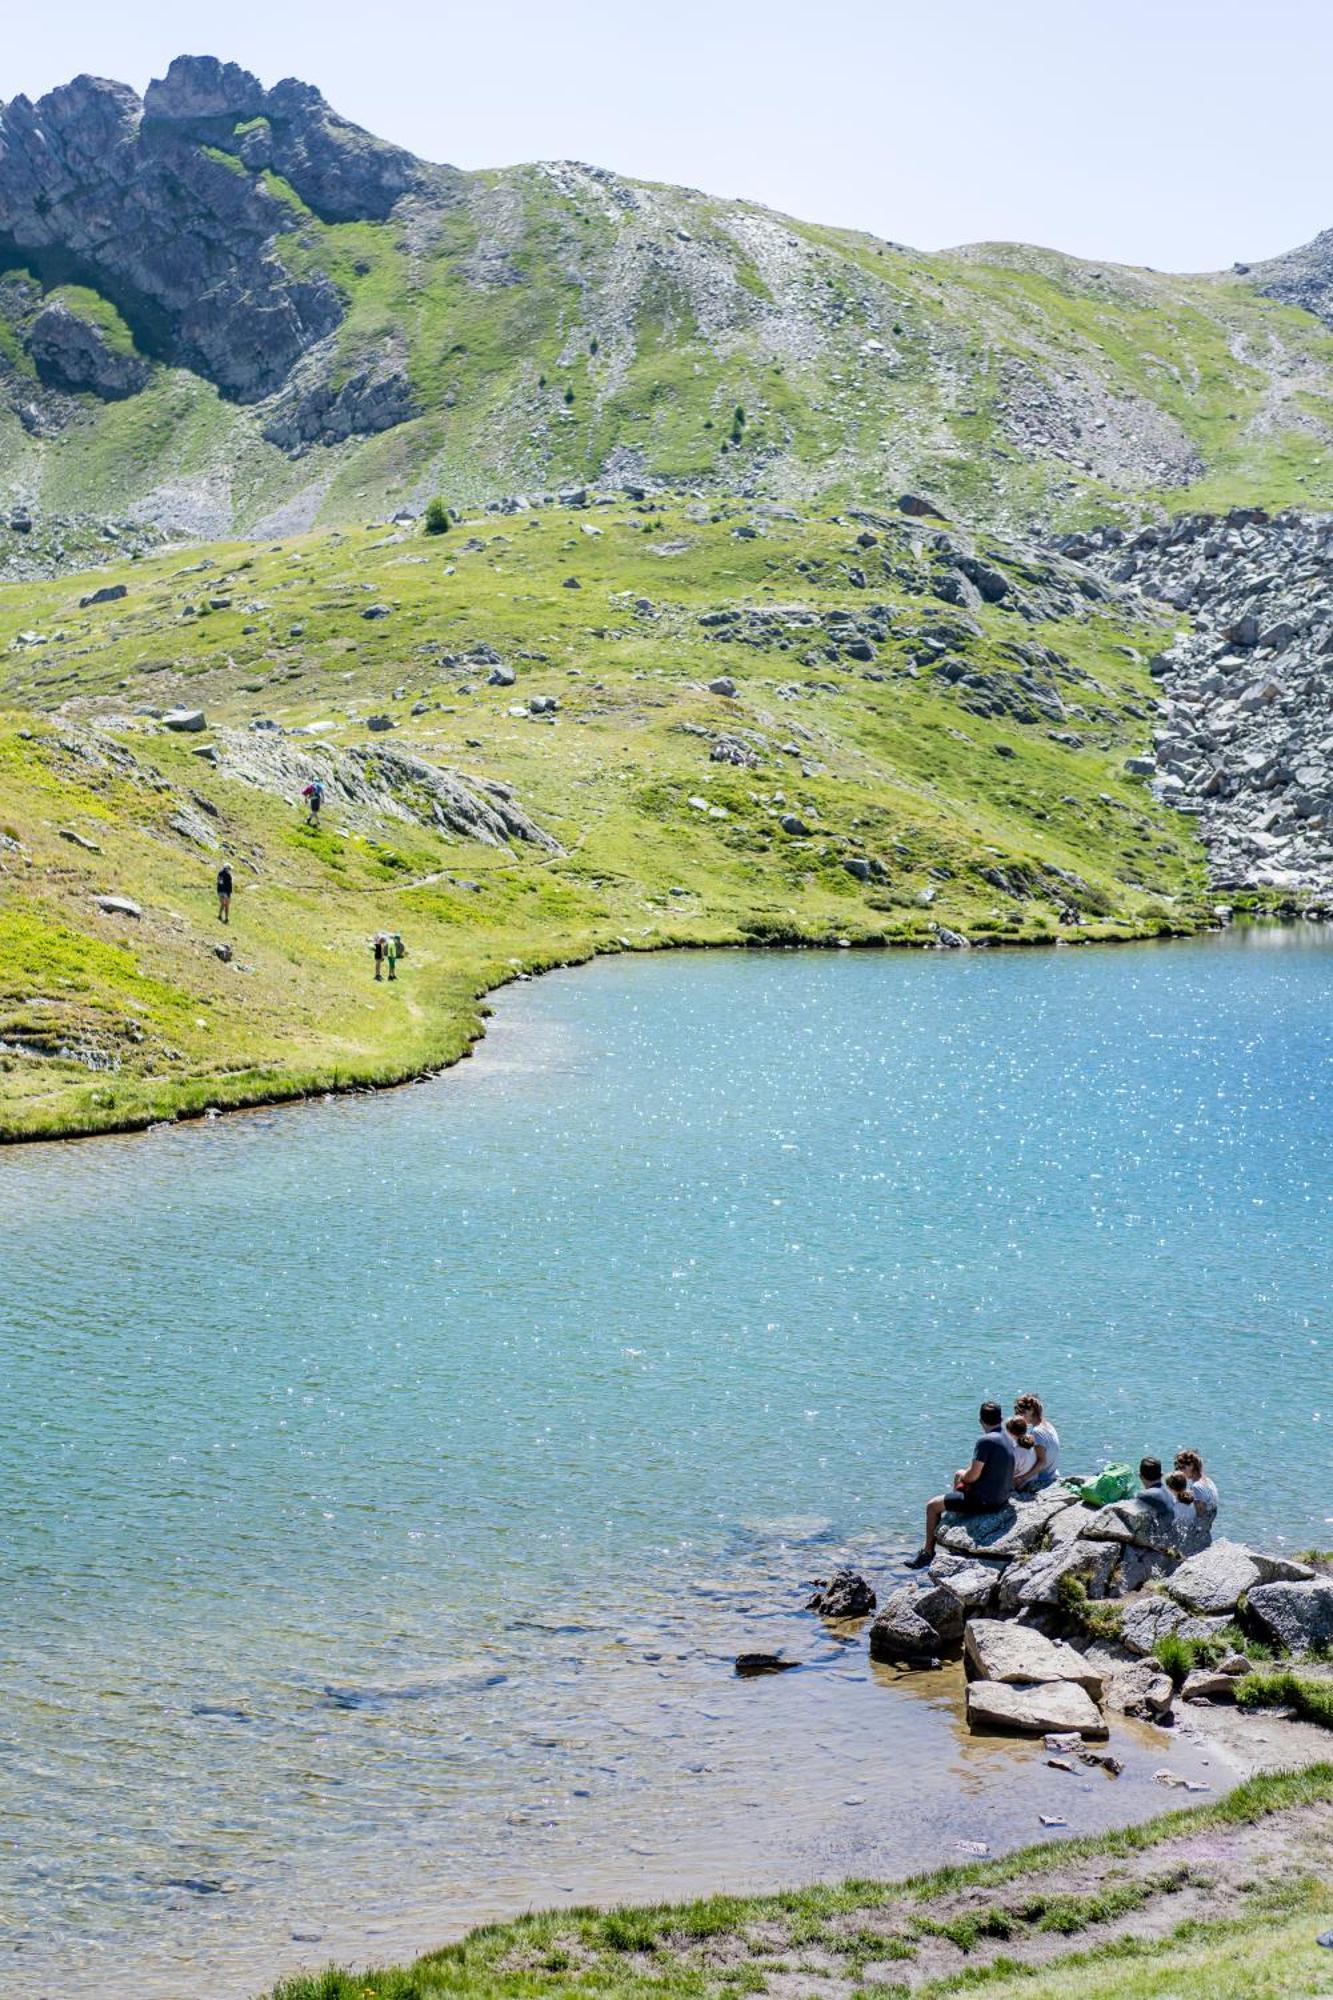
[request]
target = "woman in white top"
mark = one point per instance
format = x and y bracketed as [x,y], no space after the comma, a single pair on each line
[1202,1490]
[1020,1442]
[1045,1438]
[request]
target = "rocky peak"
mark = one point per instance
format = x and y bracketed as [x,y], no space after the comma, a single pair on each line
[198,88]
[166,208]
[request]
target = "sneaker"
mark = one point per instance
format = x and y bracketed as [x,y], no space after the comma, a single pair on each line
[921,1560]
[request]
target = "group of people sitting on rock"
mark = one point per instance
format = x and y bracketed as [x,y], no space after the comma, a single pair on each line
[1021,1454]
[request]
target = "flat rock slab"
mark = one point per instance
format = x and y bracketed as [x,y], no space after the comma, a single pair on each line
[918,1621]
[996,1650]
[1015,1530]
[118,906]
[1033,1710]
[187,721]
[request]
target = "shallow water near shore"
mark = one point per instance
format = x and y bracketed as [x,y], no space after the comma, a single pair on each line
[391,1481]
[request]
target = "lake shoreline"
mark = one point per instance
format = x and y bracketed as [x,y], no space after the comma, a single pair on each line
[199,1099]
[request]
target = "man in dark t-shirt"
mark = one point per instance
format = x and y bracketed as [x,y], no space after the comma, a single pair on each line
[980,1488]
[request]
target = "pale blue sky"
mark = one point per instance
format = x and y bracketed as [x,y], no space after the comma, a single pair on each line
[1179,133]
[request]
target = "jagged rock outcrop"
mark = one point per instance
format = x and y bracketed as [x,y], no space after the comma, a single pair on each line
[380,783]
[1244,738]
[74,354]
[168,209]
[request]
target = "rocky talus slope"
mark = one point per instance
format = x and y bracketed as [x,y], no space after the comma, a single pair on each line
[1244,738]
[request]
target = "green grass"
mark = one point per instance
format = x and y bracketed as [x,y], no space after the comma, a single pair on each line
[900,769]
[1312,1699]
[992,1925]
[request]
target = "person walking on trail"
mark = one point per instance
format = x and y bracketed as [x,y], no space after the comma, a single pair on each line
[979,1488]
[313,794]
[225,887]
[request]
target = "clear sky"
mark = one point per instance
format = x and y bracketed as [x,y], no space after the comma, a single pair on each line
[1178,133]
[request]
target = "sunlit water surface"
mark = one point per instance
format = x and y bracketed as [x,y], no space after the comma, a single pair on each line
[390,1482]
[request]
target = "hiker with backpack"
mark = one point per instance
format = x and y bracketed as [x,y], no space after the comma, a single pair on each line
[388,948]
[313,794]
[225,887]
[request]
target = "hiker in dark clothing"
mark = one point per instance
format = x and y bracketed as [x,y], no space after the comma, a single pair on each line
[314,798]
[225,886]
[979,1488]
[380,949]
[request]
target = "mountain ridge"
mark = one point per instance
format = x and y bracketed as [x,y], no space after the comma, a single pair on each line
[225,307]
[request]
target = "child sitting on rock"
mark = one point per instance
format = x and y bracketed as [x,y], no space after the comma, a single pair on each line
[1182,1499]
[1024,1447]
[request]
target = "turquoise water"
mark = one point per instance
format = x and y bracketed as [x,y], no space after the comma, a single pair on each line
[389,1481]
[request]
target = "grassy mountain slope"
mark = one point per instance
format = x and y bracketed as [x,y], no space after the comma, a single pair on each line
[937,765]
[558,324]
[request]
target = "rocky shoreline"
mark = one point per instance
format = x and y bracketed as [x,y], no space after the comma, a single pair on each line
[1063,1613]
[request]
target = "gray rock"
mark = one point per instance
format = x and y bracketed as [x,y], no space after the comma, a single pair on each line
[1141,1689]
[77,355]
[1037,1579]
[1294,1615]
[501,677]
[917,1622]
[1033,1710]
[723,685]
[118,906]
[377,724]
[1147,1619]
[997,1649]
[1143,1566]
[110,593]
[973,1583]
[845,1595]
[1217,1578]
[186,721]
[1208,1684]
[1016,1530]
[793,823]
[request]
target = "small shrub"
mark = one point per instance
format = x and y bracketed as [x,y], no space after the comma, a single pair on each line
[437,517]
[569,395]
[1099,1620]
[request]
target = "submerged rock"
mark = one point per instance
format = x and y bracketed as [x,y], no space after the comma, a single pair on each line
[845,1595]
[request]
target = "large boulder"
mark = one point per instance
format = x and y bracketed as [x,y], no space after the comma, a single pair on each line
[1016,1530]
[1038,1579]
[1033,1709]
[917,1622]
[996,1650]
[1295,1615]
[1218,1577]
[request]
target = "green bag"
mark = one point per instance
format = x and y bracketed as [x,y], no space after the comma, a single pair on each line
[1113,1482]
